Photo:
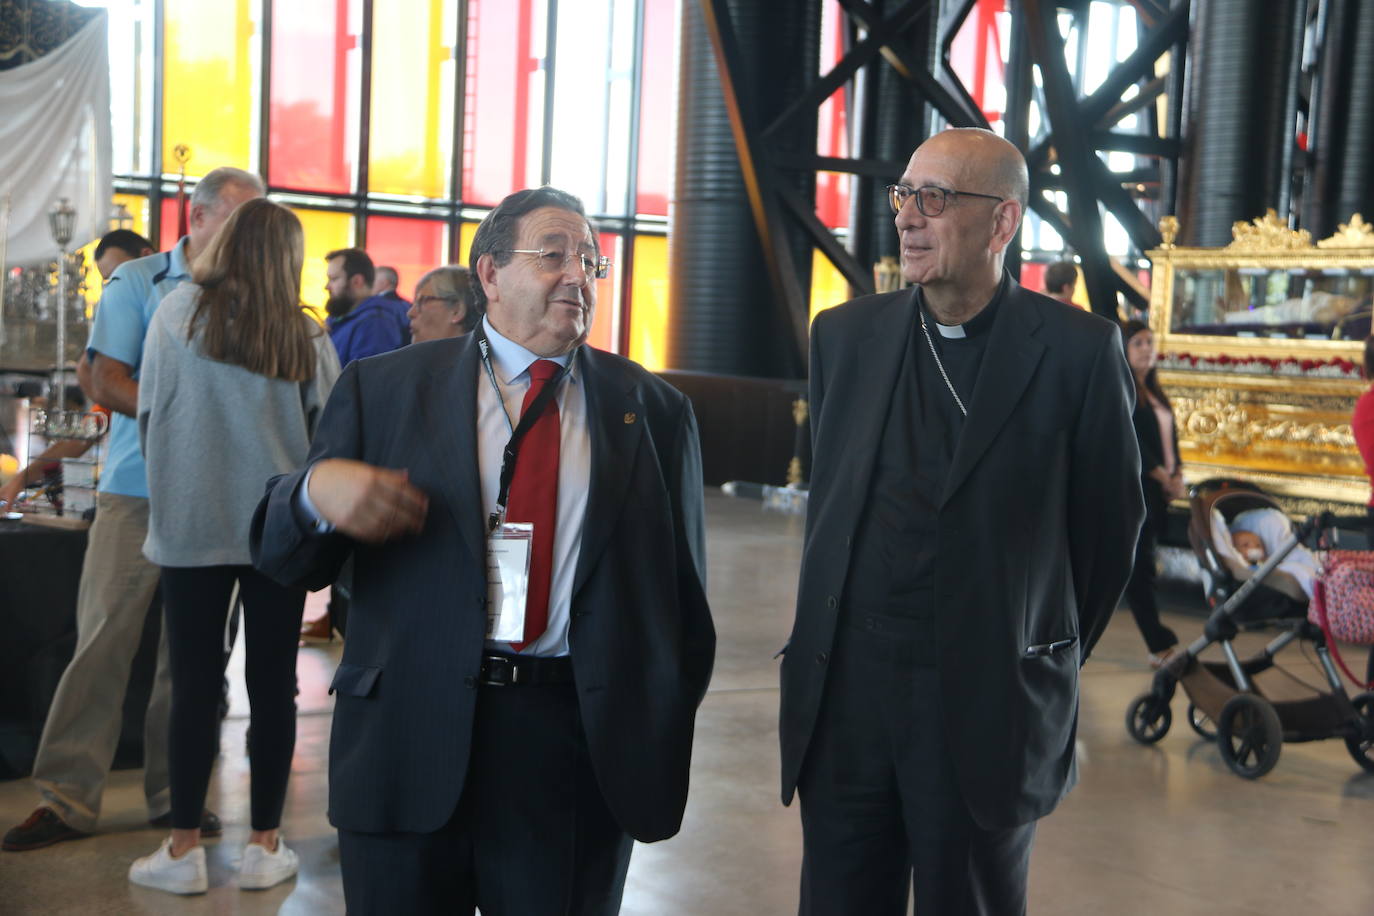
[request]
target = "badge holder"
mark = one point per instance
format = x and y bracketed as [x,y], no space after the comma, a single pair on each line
[508,580]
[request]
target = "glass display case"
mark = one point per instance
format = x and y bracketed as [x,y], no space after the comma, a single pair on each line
[1260,346]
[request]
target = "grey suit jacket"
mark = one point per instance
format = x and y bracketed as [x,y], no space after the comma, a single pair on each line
[641,634]
[1037,530]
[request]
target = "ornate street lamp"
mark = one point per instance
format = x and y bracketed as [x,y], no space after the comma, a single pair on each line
[61,220]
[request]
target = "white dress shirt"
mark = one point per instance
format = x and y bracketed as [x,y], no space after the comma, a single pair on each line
[510,363]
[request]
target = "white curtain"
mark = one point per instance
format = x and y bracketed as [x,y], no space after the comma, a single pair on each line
[55,142]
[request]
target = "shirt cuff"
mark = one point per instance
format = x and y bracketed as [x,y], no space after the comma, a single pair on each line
[306,510]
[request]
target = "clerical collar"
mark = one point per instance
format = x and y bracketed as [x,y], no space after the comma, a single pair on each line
[976,325]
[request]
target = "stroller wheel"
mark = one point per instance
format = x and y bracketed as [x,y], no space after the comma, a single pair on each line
[1202,723]
[1148,718]
[1249,735]
[1362,747]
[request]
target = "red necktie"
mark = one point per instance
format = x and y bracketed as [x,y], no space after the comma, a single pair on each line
[534,498]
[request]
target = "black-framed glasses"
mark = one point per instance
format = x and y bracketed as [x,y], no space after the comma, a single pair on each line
[931,200]
[554,261]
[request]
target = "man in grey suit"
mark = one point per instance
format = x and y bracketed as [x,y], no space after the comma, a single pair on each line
[498,745]
[973,512]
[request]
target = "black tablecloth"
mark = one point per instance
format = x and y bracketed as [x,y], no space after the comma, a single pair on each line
[40,570]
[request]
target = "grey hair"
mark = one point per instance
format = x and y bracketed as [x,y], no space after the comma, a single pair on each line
[208,190]
[455,284]
[497,232]
[389,273]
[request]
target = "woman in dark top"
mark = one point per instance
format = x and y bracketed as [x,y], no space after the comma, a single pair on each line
[1161,479]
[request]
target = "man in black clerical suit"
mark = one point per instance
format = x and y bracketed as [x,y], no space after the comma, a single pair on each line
[497,746]
[974,505]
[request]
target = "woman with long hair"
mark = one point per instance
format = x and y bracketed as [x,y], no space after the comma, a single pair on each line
[1161,479]
[234,378]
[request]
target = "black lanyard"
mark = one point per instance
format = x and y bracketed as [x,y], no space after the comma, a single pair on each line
[518,431]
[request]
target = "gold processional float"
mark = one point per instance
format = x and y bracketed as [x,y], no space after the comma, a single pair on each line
[1261,344]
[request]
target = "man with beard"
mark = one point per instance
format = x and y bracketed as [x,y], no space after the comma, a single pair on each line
[360,324]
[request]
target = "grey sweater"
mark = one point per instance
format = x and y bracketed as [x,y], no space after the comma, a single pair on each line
[212,434]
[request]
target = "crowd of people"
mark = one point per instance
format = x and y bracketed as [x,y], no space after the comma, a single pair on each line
[518,523]
[215,379]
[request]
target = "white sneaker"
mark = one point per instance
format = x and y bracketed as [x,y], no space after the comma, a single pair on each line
[184,875]
[262,869]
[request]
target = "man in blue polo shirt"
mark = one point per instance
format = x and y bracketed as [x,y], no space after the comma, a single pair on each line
[117,581]
[360,324]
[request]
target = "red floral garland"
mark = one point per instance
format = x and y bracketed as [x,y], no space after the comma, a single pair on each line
[1288,365]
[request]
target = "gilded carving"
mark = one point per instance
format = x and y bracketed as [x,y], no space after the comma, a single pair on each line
[1269,232]
[1354,234]
[1168,231]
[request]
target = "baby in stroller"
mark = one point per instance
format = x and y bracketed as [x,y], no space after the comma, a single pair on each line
[1255,571]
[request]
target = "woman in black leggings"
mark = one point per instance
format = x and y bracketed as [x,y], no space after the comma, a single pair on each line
[233,380]
[1161,479]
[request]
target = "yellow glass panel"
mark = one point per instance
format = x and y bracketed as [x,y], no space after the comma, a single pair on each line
[324,232]
[410,147]
[207,100]
[828,285]
[137,205]
[649,303]
[465,233]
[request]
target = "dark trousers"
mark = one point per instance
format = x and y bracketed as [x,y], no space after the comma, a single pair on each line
[881,806]
[1140,589]
[531,835]
[196,603]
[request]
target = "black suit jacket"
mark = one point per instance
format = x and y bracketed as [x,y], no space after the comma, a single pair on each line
[641,635]
[1037,528]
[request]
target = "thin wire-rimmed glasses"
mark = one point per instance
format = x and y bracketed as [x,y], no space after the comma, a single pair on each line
[554,261]
[421,300]
[930,199]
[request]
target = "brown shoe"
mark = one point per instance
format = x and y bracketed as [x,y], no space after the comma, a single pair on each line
[321,630]
[43,828]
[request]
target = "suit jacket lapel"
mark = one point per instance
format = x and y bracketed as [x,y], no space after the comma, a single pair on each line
[882,352]
[448,400]
[1008,364]
[615,426]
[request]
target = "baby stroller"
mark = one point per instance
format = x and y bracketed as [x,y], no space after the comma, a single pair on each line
[1235,702]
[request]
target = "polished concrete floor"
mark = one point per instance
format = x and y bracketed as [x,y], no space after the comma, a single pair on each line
[1165,828]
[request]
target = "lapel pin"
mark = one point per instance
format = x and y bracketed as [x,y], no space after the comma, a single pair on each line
[629,418]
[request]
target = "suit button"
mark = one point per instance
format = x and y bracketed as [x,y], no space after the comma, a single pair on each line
[832,603]
[470,682]
[821,658]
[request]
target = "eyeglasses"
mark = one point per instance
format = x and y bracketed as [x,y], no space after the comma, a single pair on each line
[552,262]
[930,200]
[420,301]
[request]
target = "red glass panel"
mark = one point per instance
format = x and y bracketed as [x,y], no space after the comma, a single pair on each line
[312,99]
[976,57]
[832,135]
[657,114]
[497,113]
[412,246]
[167,230]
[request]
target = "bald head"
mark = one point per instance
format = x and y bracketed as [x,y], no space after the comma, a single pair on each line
[993,164]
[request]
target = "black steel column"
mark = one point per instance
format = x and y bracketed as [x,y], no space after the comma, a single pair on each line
[1342,137]
[1235,154]
[725,314]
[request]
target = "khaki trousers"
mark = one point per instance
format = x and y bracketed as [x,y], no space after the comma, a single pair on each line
[84,722]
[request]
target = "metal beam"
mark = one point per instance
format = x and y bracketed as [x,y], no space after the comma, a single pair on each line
[825,240]
[1075,153]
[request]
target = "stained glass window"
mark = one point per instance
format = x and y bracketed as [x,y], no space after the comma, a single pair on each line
[324,232]
[208,84]
[313,109]
[503,100]
[649,303]
[410,144]
[412,246]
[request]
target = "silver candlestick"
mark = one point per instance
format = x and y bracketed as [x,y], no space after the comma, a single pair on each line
[62,221]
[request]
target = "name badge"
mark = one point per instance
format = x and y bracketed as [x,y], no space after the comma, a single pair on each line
[508,580]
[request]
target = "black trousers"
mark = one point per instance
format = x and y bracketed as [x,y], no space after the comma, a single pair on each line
[1140,589]
[531,835]
[196,603]
[880,803]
